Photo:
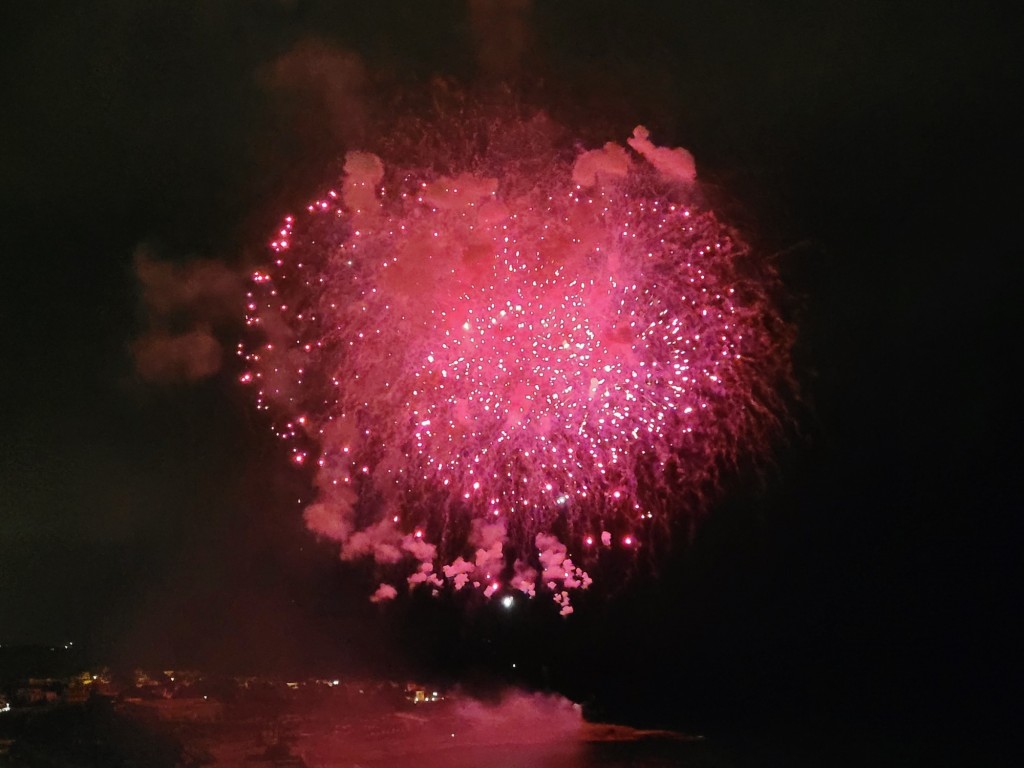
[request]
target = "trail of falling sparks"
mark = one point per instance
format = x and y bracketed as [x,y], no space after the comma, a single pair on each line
[499,374]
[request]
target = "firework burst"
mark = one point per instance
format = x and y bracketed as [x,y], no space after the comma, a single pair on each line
[506,363]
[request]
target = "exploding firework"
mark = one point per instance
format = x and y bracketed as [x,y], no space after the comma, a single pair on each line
[512,361]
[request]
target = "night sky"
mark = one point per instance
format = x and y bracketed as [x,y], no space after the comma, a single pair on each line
[872,148]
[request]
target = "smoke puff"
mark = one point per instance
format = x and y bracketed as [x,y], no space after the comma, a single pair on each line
[363,172]
[419,549]
[384,592]
[610,162]
[330,520]
[552,555]
[425,575]
[562,599]
[459,565]
[558,568]
[524,578]
[458,572]
[490,560]
[674,164]
[380,541]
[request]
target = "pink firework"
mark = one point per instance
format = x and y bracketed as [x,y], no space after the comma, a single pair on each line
[507,366]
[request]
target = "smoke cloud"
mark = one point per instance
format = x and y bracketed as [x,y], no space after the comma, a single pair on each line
[519,717]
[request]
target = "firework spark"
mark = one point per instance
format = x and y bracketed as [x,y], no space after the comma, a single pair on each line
[502,369]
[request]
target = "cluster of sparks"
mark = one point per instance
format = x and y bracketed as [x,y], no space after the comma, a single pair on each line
[497,380]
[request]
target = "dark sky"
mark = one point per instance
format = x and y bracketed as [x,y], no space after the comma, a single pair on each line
[874,145]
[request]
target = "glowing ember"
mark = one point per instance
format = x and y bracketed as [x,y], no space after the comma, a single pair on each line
[498,364]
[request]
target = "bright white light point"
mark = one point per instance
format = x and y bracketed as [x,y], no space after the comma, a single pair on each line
[507,601]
